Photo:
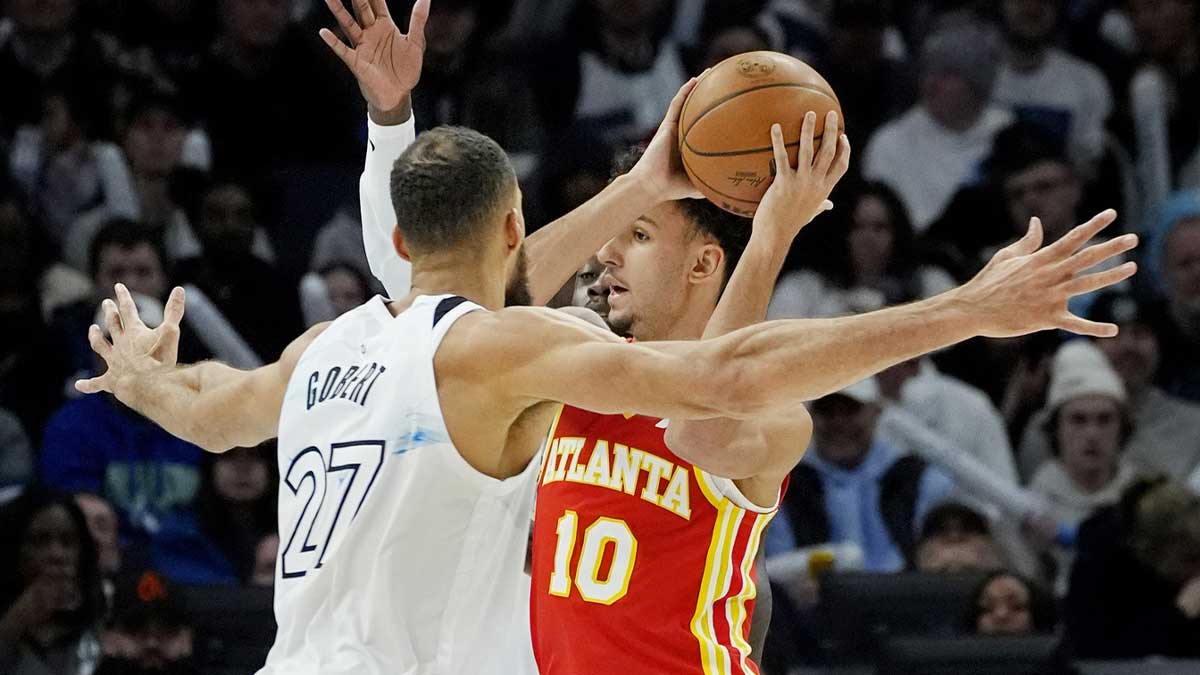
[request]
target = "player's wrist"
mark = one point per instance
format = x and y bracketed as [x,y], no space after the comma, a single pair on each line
[395,116]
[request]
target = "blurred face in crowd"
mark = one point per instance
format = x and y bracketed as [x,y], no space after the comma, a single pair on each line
[256,24]
[1030,23]
[227,221]
[42,16]
[102,523]
[871,238]
[137,266]
[153,644]
[629,14]
[891,381]
[950,99]
[589,292]
[731,42]
[1181,266]
[1134,353]
[656,270]
[346,290]
[958,552]
[59,126]
[843,429]
[264,561]
[50,549]
[1163,26]
[240,475]
[1005,608]
[1049,190]
[448,31]
[154,142]
[1089,438]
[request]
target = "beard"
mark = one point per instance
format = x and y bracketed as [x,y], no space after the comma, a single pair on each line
[622,326]
[517,293]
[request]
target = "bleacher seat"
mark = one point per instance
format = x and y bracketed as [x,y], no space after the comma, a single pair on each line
[235,627]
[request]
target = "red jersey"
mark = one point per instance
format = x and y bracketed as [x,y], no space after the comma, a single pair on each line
[642,563]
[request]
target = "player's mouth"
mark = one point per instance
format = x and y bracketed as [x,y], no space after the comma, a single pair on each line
[614,286]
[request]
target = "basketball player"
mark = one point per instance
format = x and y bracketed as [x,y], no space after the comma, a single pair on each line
[406,428]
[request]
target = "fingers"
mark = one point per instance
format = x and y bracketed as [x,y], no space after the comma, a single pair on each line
[129,312]
[94,385]
[1098,280]
[366,15]
[1079,236]
[349,26]
[841,164]
[381,9]
[112,318]
[782,163]
[1032,241]
[343,52]
[99,344]
[173,312]
[416,23]
[808,128]
[1080,326]
[829,146]
[676,107]
[1094,255]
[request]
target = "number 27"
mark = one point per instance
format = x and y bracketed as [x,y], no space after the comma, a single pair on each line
[310,472]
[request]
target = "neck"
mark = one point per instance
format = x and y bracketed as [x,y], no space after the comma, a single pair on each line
[1026,58]
[963,120]
[1093,480]
[457,277]
[154,195]
[631,47]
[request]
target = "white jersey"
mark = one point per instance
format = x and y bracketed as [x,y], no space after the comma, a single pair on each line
[396,556]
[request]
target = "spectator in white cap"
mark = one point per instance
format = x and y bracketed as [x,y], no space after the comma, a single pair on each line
[854,487]
[1088,426]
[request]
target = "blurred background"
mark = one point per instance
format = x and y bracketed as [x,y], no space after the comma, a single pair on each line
[1004,506]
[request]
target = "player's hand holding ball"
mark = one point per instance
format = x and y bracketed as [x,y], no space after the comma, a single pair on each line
[800,193]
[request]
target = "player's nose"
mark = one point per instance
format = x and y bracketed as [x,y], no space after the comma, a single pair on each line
[609,254]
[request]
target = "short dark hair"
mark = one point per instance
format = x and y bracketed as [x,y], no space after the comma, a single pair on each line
[1022,145]
[954,517]
[1043,607]
[731,232]
[126,234]
[447,184]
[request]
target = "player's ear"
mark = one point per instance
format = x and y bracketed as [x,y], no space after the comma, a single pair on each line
[706,265]
[514,228]
[400,245]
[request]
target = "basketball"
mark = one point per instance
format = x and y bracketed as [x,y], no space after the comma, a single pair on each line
[725,125]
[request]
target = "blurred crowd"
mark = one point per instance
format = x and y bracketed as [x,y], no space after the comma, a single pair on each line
[217,144]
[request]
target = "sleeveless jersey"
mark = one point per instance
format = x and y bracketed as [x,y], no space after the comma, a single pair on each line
[642,563]
[396,556]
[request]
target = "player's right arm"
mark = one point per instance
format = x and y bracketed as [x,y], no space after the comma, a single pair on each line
[209,404]
[534,355]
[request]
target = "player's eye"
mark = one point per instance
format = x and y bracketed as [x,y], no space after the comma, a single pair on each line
[639,235]
[587,276]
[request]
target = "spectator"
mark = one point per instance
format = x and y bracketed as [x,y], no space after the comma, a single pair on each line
[249,291]
[265,555]
[16,455]
[103,526]
[1047,86]
[95,444]
[1135,587]
[935,148]
[955,539]
[1174,266]
[46,49]
[50,602]
[150,630]
[619,69]
[873,83]
[260,62]
[1166,430]
[875,263]
[346,285]
[854,487]
[1007,604]
[173,35]
[589,292]
[1164,96]
[63,167]
[729,41]
[235,509]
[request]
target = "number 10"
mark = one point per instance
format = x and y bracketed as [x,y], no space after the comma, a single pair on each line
[596,538]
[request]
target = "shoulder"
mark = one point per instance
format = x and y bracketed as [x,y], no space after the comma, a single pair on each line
[491,342]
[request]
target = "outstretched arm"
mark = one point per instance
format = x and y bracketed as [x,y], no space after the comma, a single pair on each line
[538,355]
[210,404]
[744,448]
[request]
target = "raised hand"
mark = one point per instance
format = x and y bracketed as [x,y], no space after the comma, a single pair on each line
[799,194]
[1025,287]
[135,348]
[386,62]
[660,169]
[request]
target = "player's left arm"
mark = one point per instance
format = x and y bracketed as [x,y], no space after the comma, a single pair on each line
[744,448]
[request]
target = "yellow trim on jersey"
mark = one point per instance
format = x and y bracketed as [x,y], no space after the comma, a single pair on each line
[711,492]
[718,571]
[549,442]
[735,608]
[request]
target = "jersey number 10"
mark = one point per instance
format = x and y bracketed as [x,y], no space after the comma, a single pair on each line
[334,484]
[596,538]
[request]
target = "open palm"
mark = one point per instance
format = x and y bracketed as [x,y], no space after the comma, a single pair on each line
[386,62]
